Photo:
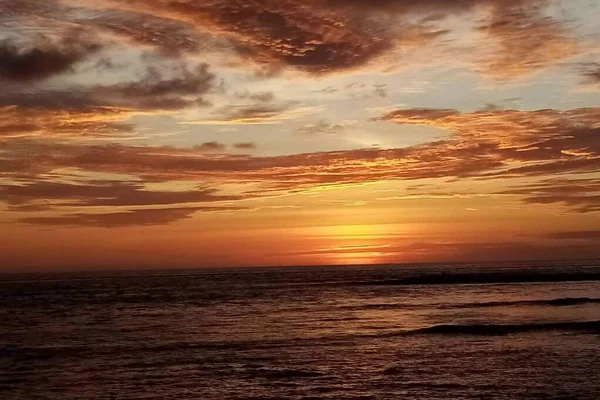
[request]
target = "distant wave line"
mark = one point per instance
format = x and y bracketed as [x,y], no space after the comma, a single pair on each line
[558,302]
[505,329]
[484,278]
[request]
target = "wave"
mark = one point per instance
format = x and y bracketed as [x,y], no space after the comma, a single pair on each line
[281,373]
[497,329]
[560,302]
[486,278]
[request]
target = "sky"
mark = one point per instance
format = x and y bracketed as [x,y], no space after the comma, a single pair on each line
[216,133]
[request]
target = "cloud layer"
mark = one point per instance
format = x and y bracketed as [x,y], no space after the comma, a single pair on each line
[320,37]
[74,72]
[479,145]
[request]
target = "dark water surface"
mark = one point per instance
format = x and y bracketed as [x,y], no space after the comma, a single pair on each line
[386,332]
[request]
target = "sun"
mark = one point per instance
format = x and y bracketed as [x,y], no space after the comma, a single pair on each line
[356,244]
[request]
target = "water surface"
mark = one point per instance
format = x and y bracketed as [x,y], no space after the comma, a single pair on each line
[510,331]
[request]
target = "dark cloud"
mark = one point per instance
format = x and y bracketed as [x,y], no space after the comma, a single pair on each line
[260,97]
[74,99]
[210,146]
[322,127]
[245,146]
[327,90]
[380,91]
[81,111]
[158,89]
[322,37]
[47,196]
[581,195]
[359,90]
[591,74]
[319,37]
[44,58]
[167,87]
[133,218]
[101,193]
[254,114]
[310,36]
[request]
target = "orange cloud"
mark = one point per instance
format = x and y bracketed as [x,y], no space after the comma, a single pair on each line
[522,41]
[17,122]
[481,144]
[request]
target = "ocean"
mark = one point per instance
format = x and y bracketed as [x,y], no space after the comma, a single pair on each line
[485,331]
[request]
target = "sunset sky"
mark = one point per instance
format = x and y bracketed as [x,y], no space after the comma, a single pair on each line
[196,133]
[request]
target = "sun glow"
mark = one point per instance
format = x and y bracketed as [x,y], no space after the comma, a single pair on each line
[357,244]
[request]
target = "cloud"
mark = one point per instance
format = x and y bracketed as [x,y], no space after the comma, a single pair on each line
[322,127]
[155,91]
[220,147]
[260,97]
[101,110]
[245,146]
[45,58]
[323,37]
[18,122]
[172,38]
[257,114]
[308,37]
[594,75]
[581,195]
[591,74]
[519,143]
[94,196]
[210,146]
[522,41]
[380,91]
[100,194]
[575,235]
[320,37]
[134,218]
[478,145]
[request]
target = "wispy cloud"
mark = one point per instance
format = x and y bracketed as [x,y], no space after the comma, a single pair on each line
[582,195]
[256,115]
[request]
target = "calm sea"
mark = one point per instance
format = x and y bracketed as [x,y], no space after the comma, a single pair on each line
[387,332]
